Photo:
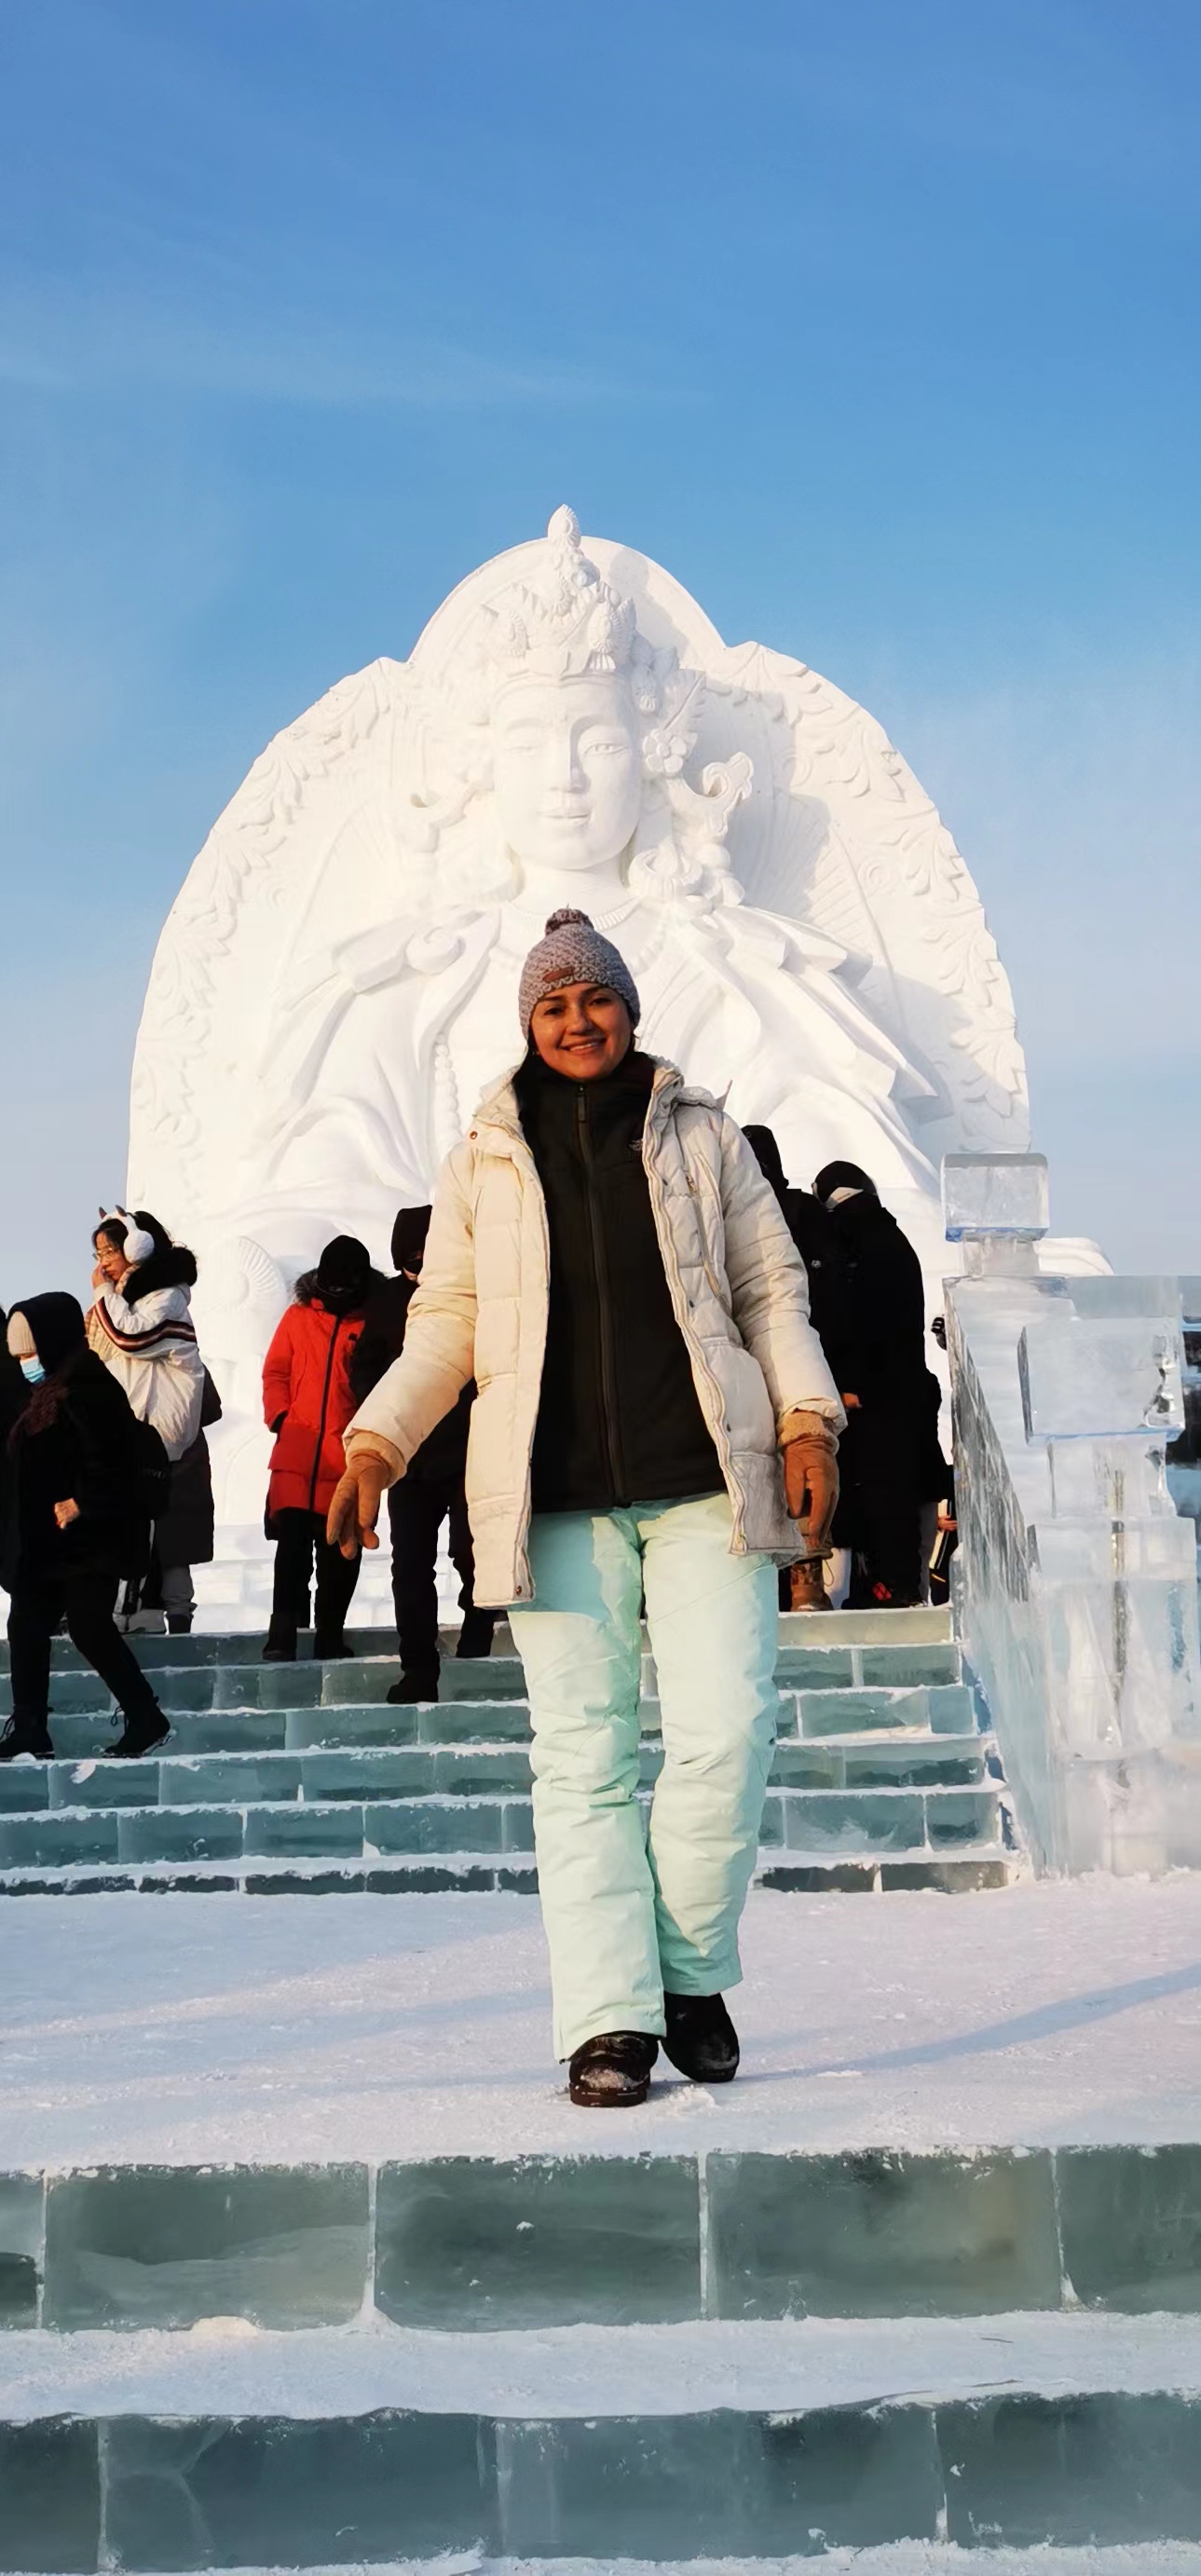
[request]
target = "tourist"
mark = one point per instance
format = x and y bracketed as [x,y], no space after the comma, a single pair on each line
[430,1492]
[803,1586]
[308,1401]
[607,1260]
[140,1325]
[877,1353]
[73,1521]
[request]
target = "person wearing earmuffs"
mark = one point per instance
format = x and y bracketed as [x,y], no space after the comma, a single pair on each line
[140,1325]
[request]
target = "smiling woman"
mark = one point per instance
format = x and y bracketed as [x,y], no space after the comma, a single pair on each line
[608,1263]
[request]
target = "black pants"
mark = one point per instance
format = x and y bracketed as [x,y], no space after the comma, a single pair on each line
[298,1537]
[879,1508]
[88,1600]
[417,1509]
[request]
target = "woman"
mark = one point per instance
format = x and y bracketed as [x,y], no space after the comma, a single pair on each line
[307,1402]
[140,1325]
[72,1522]
[878,1355]
[607,1261]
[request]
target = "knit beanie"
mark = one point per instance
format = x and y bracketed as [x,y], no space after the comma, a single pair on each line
[573,953]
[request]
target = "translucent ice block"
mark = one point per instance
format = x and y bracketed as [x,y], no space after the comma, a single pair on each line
[1076,1592]
[1084,1379]
[994,1194]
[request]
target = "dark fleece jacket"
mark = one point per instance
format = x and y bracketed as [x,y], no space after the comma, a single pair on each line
[619,1418]
[75,1439]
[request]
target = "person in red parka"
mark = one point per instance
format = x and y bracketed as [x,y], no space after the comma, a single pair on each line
[308,1401]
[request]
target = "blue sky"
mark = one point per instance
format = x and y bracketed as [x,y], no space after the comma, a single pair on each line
[878,325]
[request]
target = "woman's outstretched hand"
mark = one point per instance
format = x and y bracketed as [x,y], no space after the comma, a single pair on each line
[354,1511]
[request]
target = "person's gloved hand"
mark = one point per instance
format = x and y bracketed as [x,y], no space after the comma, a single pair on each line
[354,1510]
[811,1478]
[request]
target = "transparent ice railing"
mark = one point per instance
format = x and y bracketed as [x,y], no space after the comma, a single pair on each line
[1077,1406]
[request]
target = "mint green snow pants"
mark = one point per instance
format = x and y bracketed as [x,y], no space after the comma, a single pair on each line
[627,1911]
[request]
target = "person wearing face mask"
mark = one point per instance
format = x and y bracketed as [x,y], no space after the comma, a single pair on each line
[653,1415]
[307,1402]
[72,1522]
[431,1493]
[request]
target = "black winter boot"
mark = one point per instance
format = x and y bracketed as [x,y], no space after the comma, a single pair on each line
[613,2071]
[330,1649]
[280,1647]
[701,2039]
[141,1734]
[179,1623]
[475,1635]
[413,1687]
[26,1735]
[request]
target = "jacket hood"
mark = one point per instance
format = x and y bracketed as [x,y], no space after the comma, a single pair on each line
[172,1267]
[767,1154]
[408,1237]
[56,1323]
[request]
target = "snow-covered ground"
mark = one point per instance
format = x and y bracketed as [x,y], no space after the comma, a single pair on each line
[229,2368]
[279,2029]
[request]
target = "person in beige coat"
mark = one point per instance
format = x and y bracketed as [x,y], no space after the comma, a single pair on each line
[654,1414]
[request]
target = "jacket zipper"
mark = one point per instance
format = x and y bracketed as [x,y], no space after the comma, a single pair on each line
[600,1266]
[329,1370]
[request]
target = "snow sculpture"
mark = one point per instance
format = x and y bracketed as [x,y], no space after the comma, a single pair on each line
[337,980]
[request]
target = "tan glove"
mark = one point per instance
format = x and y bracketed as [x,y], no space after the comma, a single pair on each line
[811,1478]
[354,1511]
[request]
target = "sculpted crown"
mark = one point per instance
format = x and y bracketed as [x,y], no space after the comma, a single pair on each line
[564,621]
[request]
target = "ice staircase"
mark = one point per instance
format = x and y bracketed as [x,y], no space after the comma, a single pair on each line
[300,1778]
[607,2357]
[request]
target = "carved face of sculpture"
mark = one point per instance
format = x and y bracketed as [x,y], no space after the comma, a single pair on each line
[567,767]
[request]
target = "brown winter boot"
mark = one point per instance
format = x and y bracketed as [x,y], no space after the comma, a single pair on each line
[808,1585]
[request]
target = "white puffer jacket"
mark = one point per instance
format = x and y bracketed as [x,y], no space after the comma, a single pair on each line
[738,1288]
[151,1349]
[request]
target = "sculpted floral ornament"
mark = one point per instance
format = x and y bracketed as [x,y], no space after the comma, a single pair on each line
[337,981]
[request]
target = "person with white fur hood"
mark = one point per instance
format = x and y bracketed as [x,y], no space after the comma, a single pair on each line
[140,1325]
[654,1414]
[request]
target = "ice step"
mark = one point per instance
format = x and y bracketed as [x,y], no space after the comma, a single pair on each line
[449,1873]
[360,1822]
[443,1767]
[345,2447]
[841,1633]
[843,1699]
[475,2243]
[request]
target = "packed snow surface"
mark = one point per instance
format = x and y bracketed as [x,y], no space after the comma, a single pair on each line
[277,2029]
[226,2367]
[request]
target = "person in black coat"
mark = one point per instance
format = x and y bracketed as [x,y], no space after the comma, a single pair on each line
[72,1523]
[433,1491]
[877,1352]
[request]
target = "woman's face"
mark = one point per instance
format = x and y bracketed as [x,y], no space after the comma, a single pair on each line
[110,1258]
[583,1031]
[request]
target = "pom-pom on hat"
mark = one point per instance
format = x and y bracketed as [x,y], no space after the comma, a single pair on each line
[573,953]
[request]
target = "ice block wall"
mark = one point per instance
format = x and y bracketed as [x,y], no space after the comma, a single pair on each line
[1076,1581]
